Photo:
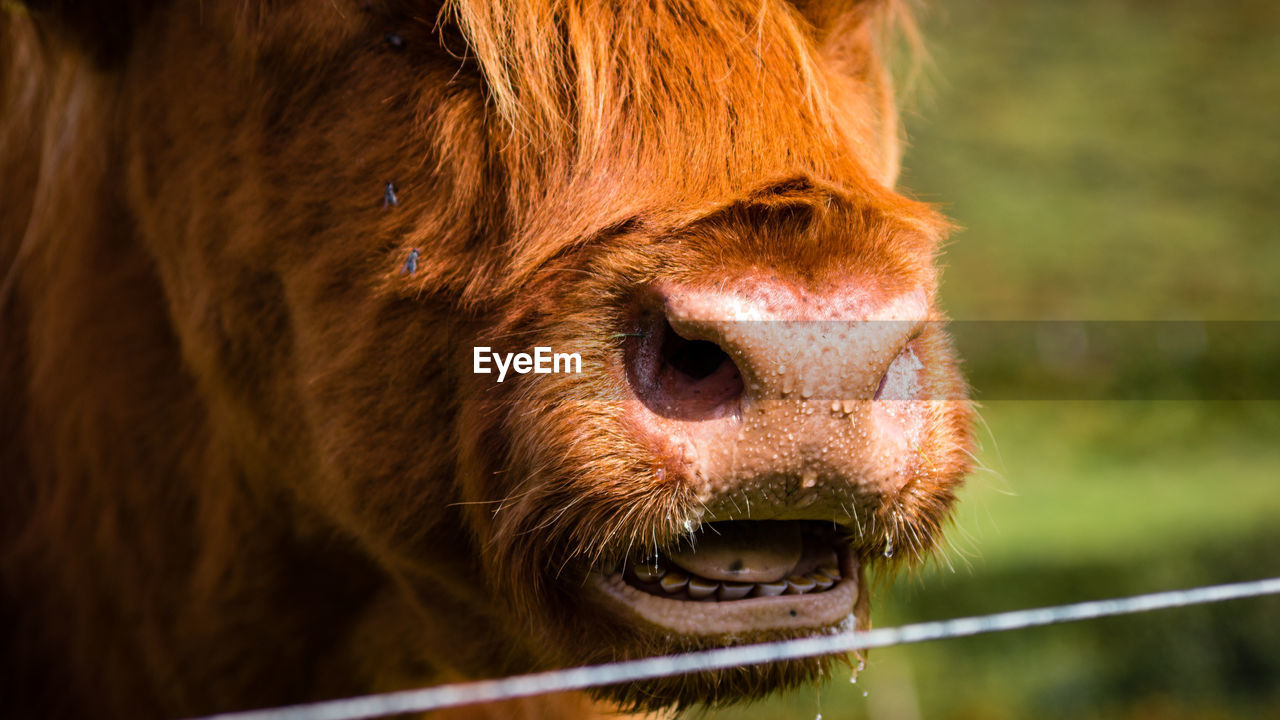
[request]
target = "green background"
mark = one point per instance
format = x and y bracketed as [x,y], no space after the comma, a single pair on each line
[1106,160]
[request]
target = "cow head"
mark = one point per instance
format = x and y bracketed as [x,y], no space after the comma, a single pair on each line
[343,200]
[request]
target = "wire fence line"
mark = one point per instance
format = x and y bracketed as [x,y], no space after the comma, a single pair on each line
[444,696]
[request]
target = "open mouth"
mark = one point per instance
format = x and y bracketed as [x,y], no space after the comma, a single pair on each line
[741,576]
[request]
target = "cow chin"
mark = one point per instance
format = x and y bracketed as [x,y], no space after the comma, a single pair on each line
[601,579]
[727,583]
[676,610]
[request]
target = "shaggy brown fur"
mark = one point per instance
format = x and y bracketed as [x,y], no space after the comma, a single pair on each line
[245,461]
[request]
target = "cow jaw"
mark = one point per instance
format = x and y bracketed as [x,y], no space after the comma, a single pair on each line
[739,578]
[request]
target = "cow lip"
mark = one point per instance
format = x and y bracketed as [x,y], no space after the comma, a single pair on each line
[735,608]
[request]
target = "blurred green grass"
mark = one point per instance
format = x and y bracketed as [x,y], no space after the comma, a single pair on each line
[1106,160]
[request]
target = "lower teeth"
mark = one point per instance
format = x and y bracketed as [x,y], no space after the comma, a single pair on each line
[662,581]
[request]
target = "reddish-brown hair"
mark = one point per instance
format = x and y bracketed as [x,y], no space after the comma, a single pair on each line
[246,462]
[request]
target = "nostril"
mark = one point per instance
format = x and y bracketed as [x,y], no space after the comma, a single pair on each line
[698,359]
[677,377]
[880,387]
[900,380]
